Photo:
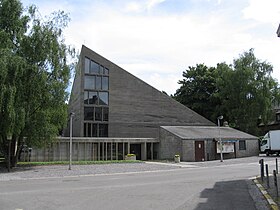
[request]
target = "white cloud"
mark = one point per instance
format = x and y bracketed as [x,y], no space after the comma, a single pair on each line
[158,48]
[153,3]
[267,11]
[133,7]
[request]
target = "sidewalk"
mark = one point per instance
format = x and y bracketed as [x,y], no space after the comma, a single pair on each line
[269,190]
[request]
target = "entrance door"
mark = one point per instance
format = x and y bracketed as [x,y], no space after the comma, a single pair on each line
[199,151]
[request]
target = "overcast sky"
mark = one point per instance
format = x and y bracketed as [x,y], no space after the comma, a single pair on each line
[156,40]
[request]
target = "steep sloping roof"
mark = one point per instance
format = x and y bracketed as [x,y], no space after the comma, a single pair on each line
[207,132]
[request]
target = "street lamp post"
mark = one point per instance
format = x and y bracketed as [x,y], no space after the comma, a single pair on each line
[70,136]
[220,139]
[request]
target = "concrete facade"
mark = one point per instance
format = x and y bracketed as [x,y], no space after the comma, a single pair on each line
[136,109]
[92,149]
[182,139]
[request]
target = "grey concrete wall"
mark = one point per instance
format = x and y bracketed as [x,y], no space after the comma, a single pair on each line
[252,149]
[76,102]
[188,151]
[169,145]
[136,109]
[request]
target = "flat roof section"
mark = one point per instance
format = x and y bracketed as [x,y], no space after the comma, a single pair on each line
[208,132]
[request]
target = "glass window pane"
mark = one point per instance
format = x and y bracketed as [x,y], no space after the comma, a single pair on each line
[94,130]
[87,65]
[105,81]
[89,129]
[94,67]
[89,82]
[103,98]
[98,114]
[93,98]
[105,113]
[86,97]
[106,71]
[101,69]
[98,82]
[85,129]
[103,130]
[88,113]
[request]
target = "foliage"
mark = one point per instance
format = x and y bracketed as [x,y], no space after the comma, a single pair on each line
[198,90]
[244,93]
[34,75]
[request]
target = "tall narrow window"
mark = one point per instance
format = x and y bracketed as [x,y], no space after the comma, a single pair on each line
[103,98]
[86,97]
[89,129]
[93,98]
[87,65]
[103,130]
[98,82]
[242,145]
[96,99]
[89,82]
[98,114]
[105,113]
[94,67]
[88,113]
[105,83]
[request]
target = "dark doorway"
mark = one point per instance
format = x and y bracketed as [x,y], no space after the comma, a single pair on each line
[199,151]
[136,149]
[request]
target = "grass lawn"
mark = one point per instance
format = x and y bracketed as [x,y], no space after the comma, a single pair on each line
[76,162]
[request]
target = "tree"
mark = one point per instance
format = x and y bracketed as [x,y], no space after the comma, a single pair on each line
[34,75]
[243,92]
[247,92]
[198,90]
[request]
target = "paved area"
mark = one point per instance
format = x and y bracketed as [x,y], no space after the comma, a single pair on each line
[28,172]
[151,185]
[56,171]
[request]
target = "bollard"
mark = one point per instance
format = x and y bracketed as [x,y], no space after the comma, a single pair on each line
[262,168]
[275,182]
[276,166]
[267,176]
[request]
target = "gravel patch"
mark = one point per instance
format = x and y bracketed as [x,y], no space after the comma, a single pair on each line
[37,172]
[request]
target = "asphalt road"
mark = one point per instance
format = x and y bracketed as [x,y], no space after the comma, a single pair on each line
[209,185]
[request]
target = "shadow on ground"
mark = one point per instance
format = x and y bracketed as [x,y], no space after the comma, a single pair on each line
[235,194]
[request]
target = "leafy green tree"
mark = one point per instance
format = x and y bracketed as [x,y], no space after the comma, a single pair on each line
[198,90]
[34,75]
[247,92]
[243,93]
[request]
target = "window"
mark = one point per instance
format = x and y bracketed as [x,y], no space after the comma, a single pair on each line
[89,82]
[93,98]
[242,145]
[94,130]
[96,99]
[105,81]
[86,97]
[101,69]
[103,98]
[106,71]
[87,65]
[94,68]
[88,113]
[98,82]
[98,114]
[105,113]
[103,130]
[89,129]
